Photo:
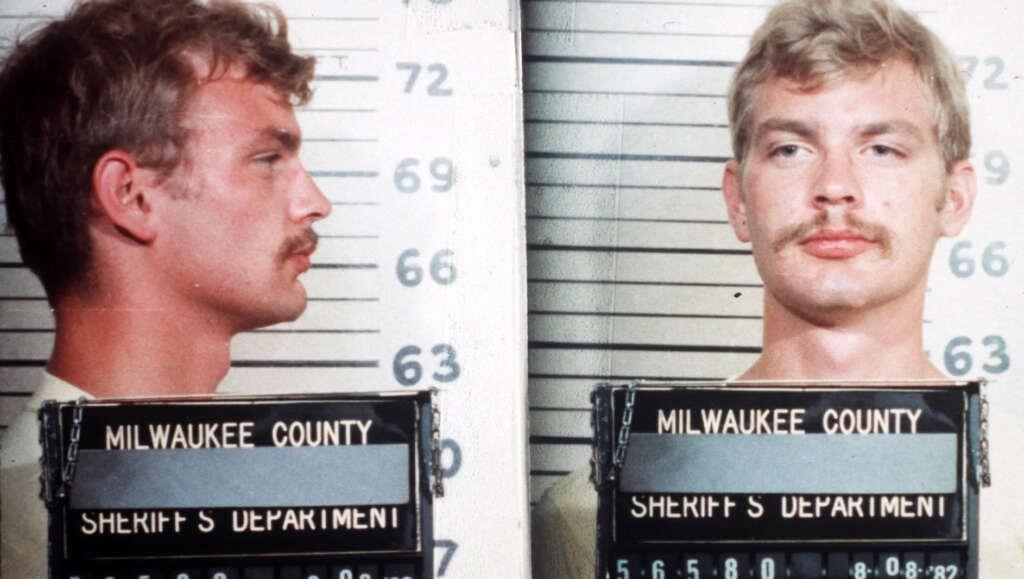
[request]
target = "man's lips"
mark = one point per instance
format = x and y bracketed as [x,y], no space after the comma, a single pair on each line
[836,243]
[298,249]
[302,259]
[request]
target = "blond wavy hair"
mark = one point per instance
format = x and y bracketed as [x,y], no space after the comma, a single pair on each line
[814,42]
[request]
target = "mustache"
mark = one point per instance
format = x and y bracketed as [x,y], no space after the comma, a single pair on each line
[304,242]
[875,232]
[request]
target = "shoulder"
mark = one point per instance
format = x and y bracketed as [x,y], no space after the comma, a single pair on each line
[565,529]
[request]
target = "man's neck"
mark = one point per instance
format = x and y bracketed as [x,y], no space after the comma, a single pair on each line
[111,347]
[879,343]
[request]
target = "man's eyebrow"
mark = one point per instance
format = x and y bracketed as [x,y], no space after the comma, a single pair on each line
[897,126]
[776,124]
[286,138]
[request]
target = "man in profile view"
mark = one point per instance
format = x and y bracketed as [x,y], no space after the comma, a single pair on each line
[150,164]
[850,139]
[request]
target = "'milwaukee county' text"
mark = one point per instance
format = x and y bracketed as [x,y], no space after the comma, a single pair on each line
[236,434]
[787,421]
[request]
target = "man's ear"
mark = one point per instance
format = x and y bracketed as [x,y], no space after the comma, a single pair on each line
[961,188]
[733,194]
[121,192]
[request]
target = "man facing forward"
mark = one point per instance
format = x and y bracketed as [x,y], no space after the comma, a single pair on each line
[850,163]
[150,163]
[850,139]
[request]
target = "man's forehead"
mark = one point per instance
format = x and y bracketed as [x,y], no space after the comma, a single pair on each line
[892,92]
[240,104]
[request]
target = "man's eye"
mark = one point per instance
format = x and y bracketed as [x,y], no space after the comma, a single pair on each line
[882,150]
[786,151]
[269,158]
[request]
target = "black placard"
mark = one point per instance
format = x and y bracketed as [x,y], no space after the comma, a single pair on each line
[799,465]
[319,476]
[711,469]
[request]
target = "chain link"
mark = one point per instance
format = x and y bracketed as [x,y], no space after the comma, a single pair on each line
[594,477]
[619,458]
[68,475]
[42,467]
[435,445]
[985,472]
[71,463]
[593,445]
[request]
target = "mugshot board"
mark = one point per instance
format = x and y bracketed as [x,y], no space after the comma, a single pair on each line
[307,485]
[414,135]
[634,271]
[798,480]
[310,486]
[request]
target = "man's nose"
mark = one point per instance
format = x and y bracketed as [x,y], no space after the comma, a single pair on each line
[308,202]
[837,183]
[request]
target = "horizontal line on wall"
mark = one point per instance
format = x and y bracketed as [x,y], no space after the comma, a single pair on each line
[549,472]
[305,363]
[335,110]
[627,157]
[312,331]
[627,249]
[624,123]
[308,49]
[341,18]
[650,283]
[631,347]
[664,3]
[557,409]
[637,32]
[616,186]
[629,60]
[577,440]
[642,315]
[344,266]
[361,174]
[628,219]
[343,299]
[352,140]
[618,377]
[346,78]
[623,93]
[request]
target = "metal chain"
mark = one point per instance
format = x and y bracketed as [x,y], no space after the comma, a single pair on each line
[619,457]
[435,445]
[593,445]
[986,474]
[71,463]
[42,468]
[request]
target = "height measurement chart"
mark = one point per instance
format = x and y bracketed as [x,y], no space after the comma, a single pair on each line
[414,135]
[634,271]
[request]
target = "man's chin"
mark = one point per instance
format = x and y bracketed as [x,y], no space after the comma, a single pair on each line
[284,310]
[823,306]
[291,311]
